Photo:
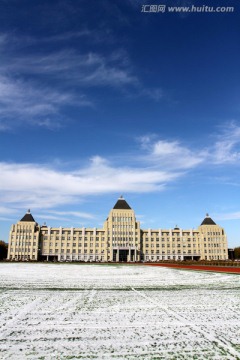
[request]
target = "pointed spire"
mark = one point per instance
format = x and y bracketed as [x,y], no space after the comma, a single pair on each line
[28,217]
[121,204]
[208,221]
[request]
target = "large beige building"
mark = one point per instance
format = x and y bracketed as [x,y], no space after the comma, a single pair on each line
[120,239]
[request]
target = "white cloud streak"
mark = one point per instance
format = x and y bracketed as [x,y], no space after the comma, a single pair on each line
[171,154]
[228,216]
[158,164]
[35,185]
[77,214]
[90,69]
[23,101]
[36,85]
[65,216]
[226,150]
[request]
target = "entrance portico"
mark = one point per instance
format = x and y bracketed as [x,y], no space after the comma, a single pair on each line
[124,254]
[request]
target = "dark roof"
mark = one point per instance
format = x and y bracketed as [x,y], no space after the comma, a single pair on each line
[121,204]
[28,217]
[208,221]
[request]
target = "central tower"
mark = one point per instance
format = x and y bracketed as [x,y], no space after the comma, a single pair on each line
[123,233]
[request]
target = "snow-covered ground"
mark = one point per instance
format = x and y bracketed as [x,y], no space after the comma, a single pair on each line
[66,311]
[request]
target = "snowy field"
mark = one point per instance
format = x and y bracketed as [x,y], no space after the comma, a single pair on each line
[66,311]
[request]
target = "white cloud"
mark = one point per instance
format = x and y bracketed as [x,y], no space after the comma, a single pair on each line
[159,163]
[39,100]
[75,68]
[171,154]
[228,216]
[180,155]
[37,185]
[5,210]
[22,101]
[224,149]
[35,88]
[65,216]
[36,82]
[227,147]
[76,214]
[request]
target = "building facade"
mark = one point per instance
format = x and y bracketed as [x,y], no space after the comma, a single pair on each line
[120,239]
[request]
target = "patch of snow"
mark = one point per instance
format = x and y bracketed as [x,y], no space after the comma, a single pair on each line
[68,311]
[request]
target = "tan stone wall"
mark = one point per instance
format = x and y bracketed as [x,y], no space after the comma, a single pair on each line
[214,244]
[172,244]
[73,244]
[23,241]
[121,233]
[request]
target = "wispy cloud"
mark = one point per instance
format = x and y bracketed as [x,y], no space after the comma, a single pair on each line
[38,83]
[23,101]
[157,164]
[25,184]
[34,89]
[90,69]
[68,216]
[228,216]
[6,210]
[171,154]
[226,149]
[77,214]
[223,148]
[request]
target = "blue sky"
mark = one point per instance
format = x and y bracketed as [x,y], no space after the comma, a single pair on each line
[99,99]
